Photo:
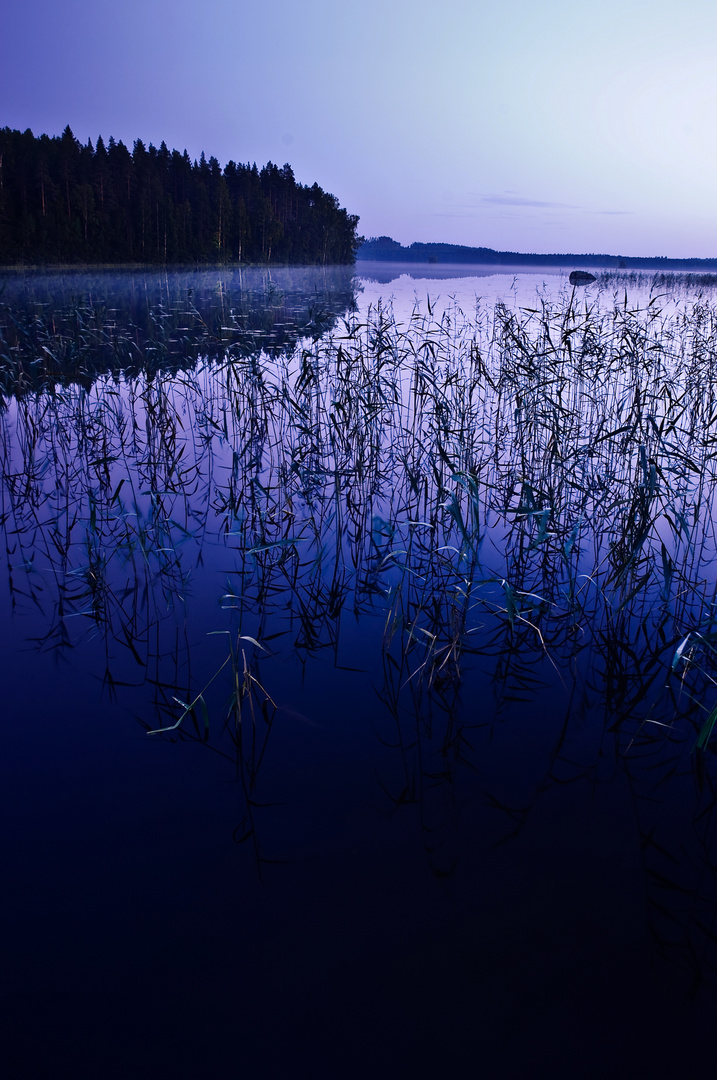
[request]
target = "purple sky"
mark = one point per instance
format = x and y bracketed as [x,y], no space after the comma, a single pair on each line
[534,126]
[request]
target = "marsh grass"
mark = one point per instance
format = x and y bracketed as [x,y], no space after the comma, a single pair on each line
[58,329]
[527,494]
[665,282]
[546,471]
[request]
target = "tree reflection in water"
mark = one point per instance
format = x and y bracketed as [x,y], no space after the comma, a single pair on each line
[510,517]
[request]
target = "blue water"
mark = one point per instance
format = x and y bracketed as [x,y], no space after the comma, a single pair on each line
[484,879]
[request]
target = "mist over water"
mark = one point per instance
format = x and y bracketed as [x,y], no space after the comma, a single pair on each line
[416,594]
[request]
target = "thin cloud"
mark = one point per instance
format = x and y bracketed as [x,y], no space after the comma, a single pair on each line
[517,200]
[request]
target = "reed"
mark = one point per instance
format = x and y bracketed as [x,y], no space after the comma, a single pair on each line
[539,470]
[523,497]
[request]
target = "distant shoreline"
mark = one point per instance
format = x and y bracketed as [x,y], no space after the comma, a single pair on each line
[384,249]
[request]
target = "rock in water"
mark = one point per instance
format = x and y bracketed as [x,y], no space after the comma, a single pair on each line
[581,277]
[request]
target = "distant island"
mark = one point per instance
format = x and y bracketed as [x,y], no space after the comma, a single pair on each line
[384,249]
[65,202]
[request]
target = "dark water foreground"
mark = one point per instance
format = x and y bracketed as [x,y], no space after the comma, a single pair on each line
[428,619]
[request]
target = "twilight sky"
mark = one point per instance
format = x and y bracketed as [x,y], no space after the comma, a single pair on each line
[539,125]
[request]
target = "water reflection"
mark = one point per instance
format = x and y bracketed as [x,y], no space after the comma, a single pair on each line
[508,528]
[383,272]
[76,325]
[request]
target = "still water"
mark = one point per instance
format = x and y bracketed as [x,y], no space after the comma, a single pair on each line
[347,718]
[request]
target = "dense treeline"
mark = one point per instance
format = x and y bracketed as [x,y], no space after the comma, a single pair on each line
[384,249]
[64,202]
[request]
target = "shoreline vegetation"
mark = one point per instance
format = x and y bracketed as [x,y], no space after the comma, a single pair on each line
[60,328]
[516,506]
[65,203]
[384,249]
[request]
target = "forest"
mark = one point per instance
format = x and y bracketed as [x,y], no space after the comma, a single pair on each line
[62,202]
[385,249]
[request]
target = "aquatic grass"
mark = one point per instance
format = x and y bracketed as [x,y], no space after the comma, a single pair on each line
[145,324]
[525,493]
[441,452]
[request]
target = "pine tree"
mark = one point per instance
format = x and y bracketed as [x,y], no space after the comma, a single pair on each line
[61,201]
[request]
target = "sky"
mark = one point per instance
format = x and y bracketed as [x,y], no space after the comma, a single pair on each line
[533,126]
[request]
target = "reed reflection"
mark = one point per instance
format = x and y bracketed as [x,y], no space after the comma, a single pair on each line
[516,511]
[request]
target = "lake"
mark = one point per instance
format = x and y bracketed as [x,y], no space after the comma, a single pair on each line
[359,673]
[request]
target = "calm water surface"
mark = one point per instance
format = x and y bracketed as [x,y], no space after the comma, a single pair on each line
[426,798]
